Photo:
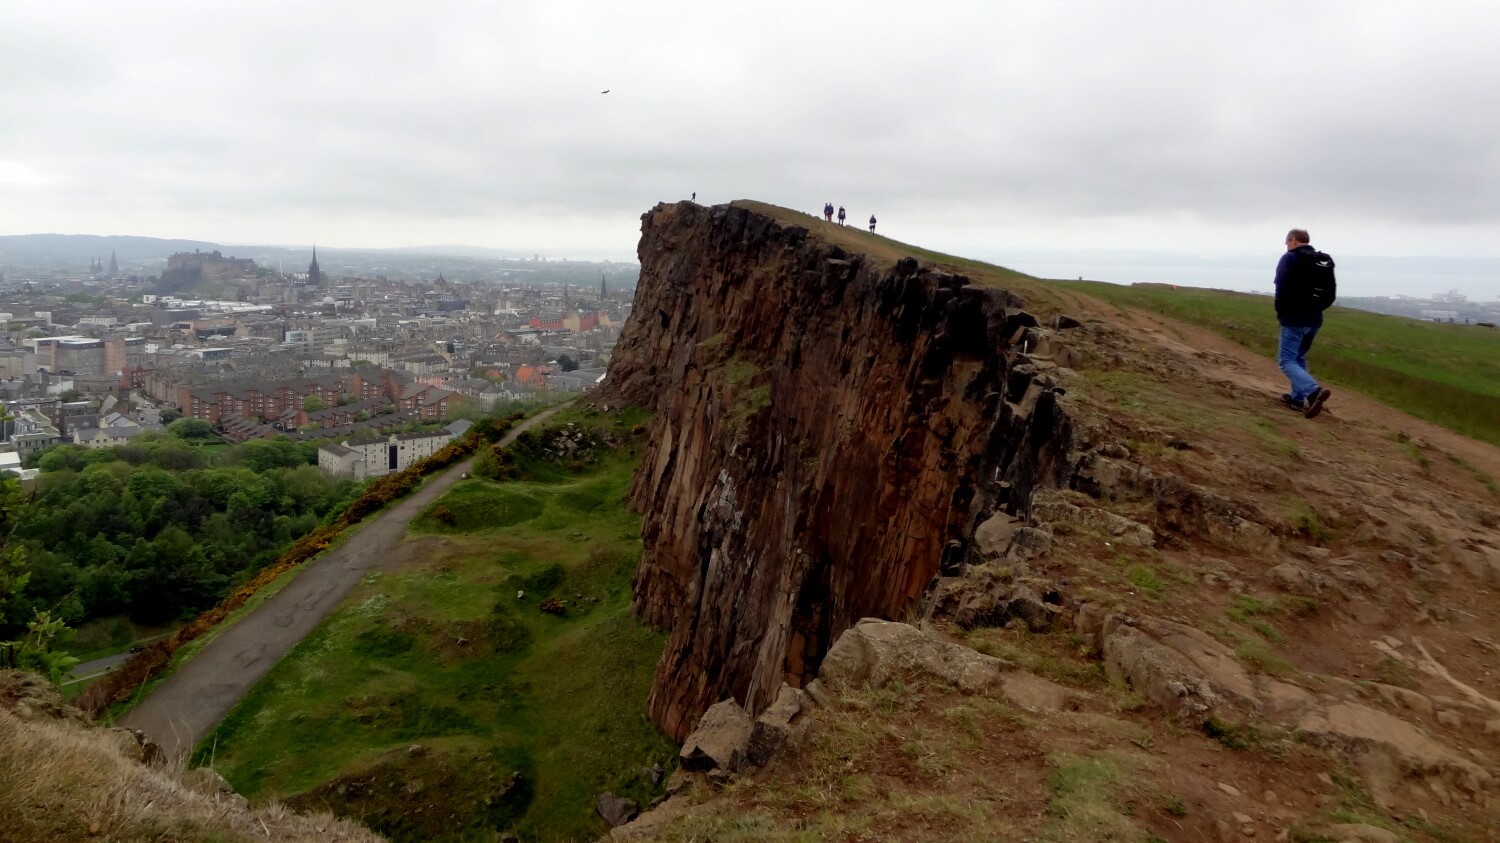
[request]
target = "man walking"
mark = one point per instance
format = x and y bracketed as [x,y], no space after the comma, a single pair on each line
[828,211]
[872,223]
[841,215]
[1305,287]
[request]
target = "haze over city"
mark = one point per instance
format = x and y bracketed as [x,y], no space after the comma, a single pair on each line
[1050,130]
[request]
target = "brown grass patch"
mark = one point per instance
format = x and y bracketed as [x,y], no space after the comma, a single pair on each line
[67,783]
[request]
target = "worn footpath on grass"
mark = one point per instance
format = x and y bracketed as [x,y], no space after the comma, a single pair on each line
[190,702]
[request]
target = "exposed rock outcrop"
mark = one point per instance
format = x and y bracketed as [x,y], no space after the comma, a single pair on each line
[719,741]
[615,810]
[829,429]
[875,651]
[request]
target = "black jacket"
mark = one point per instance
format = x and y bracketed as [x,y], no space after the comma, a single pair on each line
[1295,307]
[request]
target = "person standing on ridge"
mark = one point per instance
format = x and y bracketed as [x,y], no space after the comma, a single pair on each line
[841,215]
[828,211]
[872,223]
[1305,287]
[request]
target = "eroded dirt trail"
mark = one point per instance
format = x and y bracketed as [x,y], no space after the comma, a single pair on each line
[194,699]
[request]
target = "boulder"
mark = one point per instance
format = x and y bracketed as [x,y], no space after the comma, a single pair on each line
[992,538]
[873,652]
[614,809]
[999,603]
[719,741]
[1173,665]
[1102,476]
[778,727]
[1088,622]
[1113,450]
[1029,543]
[1292,577]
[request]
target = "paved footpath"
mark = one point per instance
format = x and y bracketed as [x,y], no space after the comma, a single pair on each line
[181,710]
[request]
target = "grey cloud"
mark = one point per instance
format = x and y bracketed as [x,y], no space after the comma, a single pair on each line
[381,119]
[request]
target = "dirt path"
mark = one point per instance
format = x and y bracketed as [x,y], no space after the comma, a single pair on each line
[1235,364]
[194,699]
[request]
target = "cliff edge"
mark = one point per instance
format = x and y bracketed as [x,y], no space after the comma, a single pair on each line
[829,427]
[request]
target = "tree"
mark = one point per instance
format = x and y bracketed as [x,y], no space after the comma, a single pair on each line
[170,415]
[265,454]
[191,429]
[567,363]
[35,650]
[69,395]
[170,577]
[313,403]
[61,458]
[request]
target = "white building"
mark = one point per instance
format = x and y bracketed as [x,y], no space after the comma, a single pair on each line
[362,458]
[10,463]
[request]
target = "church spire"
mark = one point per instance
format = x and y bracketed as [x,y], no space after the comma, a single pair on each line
[114,266]
[603,289]
[313,273]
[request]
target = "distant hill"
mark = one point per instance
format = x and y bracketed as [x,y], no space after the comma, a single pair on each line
[70,249]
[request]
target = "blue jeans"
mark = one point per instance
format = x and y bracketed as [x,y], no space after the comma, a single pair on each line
[1292,356]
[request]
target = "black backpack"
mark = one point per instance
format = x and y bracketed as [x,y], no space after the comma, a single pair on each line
[1317,280]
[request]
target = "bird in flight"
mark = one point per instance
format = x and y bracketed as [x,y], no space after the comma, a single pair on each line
[605,91]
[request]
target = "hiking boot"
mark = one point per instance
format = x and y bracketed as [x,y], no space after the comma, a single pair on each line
[1315,402]
[1292,403]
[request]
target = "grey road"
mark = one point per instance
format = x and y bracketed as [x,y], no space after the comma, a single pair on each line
[181,710]
[90,669]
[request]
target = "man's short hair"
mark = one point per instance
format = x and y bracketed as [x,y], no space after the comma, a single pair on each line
[1298,235]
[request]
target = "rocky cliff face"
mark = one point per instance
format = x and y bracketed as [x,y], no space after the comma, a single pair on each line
[829,428]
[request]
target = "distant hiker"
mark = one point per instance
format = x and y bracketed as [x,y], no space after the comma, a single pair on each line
[872,223]
[828,211]
[1305,287]
[841,215]
[695,196]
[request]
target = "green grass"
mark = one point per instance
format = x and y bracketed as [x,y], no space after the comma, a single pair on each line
[1145,579]
[1089,798]
[1446,374]
[559,700]
[476,506]
[1308,522]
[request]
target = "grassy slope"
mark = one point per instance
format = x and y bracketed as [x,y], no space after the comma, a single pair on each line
[558,699]
[1446,374]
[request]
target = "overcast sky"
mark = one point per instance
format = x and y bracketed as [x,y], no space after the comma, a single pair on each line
[976,127]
